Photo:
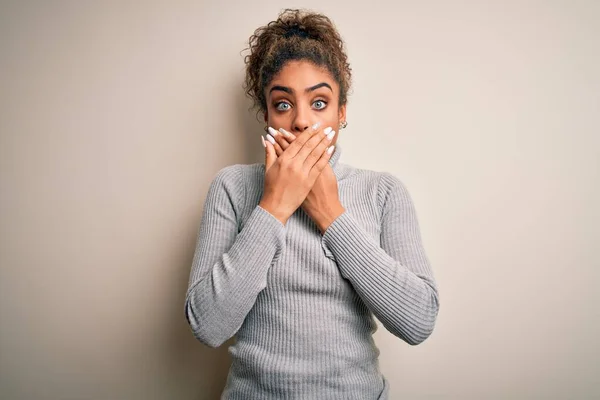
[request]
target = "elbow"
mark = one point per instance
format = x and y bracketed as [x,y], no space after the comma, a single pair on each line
[426,324]
[419,337]
[421,328]
[210,341]
[416,334]
[203,331]
[208,338]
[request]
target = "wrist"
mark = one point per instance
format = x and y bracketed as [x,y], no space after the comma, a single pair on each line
[273,210]
[326,217]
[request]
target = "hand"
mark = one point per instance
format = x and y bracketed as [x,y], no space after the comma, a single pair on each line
[289,178]
[322,203]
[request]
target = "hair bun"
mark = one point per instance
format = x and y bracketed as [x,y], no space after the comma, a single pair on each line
[297,30]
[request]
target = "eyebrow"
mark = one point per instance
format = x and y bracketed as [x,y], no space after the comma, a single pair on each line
[309,89]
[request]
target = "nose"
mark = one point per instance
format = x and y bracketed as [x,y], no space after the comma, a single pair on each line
[301,120]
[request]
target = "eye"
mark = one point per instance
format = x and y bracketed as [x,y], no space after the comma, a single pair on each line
[279,106]
[320,104]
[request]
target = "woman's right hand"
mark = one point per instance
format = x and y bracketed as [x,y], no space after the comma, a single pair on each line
[290,177]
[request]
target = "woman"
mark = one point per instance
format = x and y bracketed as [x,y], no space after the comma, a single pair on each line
[295,256]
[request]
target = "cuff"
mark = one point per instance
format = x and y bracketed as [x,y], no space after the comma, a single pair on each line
[264,229]
[333,232]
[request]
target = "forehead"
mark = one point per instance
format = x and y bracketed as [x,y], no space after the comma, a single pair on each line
[300,75]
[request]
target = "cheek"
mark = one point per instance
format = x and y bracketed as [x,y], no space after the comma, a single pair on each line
[331,117]
[278,119]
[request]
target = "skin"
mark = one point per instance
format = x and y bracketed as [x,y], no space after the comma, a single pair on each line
[291,110]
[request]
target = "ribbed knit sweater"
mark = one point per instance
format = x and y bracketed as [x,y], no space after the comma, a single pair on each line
[301,304]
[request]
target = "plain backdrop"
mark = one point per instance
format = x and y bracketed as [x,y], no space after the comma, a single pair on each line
[115,116]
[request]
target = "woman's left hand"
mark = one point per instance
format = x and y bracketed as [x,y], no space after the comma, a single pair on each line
[322,203]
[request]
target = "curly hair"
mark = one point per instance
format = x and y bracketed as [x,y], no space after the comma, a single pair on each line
[295,35]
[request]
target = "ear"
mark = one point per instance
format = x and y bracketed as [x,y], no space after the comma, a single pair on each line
[342,113]
[266,116]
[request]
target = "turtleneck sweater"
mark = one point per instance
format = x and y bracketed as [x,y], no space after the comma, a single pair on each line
[301,304]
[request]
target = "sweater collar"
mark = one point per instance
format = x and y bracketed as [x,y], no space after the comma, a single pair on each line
[334,159]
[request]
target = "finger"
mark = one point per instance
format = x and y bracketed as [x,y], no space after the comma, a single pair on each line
[288,138]
[315,147]
[281,139]
[280,142]
[270,156]
[301,140]
[321,164]
[278,149]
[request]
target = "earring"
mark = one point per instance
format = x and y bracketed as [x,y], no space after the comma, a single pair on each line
[266,128]
[343,124]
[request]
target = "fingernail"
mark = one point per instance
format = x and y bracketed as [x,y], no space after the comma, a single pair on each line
[273,132]
[331,135]
[327,130]
[263,140]
[316,126]
[330,150]
[270,139]
[286,133]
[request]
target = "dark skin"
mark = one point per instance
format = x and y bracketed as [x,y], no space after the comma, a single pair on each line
[299,96]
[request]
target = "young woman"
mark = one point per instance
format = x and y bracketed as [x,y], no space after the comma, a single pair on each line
[296,256]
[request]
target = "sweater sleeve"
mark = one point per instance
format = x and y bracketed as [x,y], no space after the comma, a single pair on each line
[229,268]
[395,280]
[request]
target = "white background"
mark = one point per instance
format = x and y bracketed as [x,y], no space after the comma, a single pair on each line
[115,116]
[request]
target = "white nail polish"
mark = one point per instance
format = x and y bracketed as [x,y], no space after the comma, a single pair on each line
[316,126]
[270,139]
[286,133]
[330,150]
[327,130]
[273,132]
[263,140]
[331,135]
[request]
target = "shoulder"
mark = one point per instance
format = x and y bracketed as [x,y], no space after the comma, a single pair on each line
[232,180]
[227,173]
[387,188]
[236,173]
[384,182]
[358,177]
[389,182]
[391,190]
[226,180]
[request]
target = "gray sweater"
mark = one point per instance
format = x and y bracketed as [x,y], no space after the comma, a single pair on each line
[301,304]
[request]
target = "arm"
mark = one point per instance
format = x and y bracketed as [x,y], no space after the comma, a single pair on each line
[229,269]
[395,281]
